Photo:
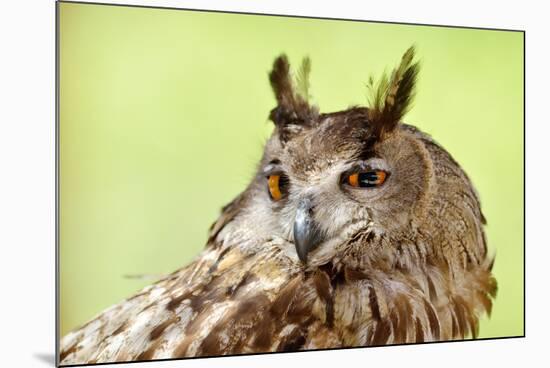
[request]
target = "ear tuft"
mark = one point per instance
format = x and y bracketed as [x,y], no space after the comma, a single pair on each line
[391,99]
[281,82]
[302,79]
[293,110]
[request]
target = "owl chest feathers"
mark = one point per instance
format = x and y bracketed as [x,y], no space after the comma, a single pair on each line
[230,302]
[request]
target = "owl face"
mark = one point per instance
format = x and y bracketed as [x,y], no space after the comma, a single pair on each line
[334,179]
[326,179]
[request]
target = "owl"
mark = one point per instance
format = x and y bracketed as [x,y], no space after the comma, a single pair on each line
[356,230]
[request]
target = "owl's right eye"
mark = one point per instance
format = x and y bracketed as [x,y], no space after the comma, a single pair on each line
[366,179]
[276,184]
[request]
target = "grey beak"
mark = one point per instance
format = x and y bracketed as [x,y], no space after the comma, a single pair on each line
[306,232]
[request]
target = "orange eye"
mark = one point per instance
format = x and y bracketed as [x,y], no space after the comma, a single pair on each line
[367,179]
[273,183]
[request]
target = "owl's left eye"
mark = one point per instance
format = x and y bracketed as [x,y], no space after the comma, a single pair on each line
[277,185]
[366,179]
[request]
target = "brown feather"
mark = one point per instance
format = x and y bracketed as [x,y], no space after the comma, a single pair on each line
[392,97]
[293,110]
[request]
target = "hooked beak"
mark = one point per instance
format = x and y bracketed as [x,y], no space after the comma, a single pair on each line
[306,232]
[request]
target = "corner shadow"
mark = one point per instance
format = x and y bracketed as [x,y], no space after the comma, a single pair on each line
[46,358]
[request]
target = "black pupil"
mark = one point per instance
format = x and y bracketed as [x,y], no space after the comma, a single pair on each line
[283,182]
[368,179]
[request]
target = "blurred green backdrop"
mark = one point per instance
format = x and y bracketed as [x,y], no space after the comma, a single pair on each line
[163,114]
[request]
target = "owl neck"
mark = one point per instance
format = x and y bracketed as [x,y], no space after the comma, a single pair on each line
[405,296]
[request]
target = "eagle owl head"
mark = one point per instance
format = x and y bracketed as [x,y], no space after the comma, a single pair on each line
[358,185]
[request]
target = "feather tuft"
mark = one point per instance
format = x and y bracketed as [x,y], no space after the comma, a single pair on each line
[302,79]
[293,110]
[390,99]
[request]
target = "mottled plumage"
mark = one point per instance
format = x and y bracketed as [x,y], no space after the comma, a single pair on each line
[328,264]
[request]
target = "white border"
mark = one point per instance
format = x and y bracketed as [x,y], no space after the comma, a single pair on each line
[27,181]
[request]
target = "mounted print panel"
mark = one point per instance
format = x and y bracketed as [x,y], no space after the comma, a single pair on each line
[243,183]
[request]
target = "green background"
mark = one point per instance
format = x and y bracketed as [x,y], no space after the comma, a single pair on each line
[163,114]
